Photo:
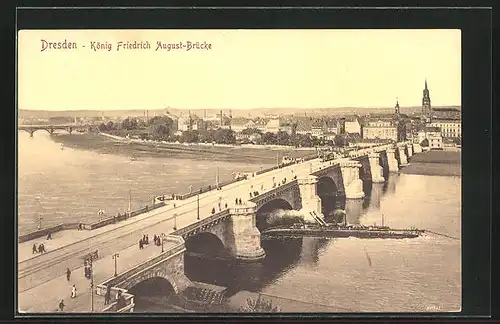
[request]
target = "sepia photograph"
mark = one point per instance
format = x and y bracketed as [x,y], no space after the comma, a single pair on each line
[239,171]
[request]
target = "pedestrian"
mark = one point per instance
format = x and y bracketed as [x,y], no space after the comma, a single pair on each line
[118,294]
[225,205]
[140,245]
[61,305]
[34,248]
[73,291]
[213,210]
[147,239]
[68,273]
[239,201]
[144,239]
[236,201]
[49,236]
[107,296]
[154,239]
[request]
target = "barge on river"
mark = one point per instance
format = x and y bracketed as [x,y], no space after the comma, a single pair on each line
[332,231]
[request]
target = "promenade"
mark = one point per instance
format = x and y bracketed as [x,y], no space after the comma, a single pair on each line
[41,278]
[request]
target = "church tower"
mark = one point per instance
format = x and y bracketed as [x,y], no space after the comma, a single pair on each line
[426,102]
[396,108]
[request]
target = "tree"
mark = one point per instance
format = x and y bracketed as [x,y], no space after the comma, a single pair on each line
[259,305]
[190,136]
[224,136]
[206,136]
[159,132]
[282,138]
[424,143]
[161,120]
[251,131]
[339,140]
[102,127]
[269,138]
[110,126]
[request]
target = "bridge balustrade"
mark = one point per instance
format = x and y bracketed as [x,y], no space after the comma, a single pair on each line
[113,307]
[114,281]
[202,222]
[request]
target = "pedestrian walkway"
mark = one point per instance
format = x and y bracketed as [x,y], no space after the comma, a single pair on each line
[46,297]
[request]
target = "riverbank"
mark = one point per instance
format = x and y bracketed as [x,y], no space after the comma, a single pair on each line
[435,163]
[108,144]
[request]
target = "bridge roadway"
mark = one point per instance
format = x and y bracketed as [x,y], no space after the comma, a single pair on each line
[40,277]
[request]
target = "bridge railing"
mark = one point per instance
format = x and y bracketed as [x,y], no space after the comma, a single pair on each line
[113,307]
[276,190]
[202,222]
[114,281]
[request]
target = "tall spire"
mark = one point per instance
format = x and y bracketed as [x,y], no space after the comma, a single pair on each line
[396,108]
[425,83]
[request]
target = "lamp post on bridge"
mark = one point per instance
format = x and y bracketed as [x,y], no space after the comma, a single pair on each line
[129,201]
[115,257]
[91,256]
[162,240]
[40,218]
[198,205]
[190,188]
[175,221]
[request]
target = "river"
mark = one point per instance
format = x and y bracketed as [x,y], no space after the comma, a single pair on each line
[409,275]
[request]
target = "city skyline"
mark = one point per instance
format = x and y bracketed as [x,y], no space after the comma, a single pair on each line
[345,69]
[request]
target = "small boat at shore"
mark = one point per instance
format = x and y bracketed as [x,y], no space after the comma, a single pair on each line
[132,158]
[334,231]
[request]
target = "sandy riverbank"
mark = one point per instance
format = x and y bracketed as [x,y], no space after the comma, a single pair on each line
[116,145]
[436,163]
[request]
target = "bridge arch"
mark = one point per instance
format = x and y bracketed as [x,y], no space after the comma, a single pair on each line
[205,243]
[267,214]
[330,195]
[155,274]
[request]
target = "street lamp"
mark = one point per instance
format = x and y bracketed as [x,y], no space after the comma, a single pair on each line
[40,218]
[91,258]
[115,257]
[162,239]
[198,204]
[190,188]
[175,222]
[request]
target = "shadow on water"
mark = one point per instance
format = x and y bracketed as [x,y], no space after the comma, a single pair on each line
[281,256]
[155,293]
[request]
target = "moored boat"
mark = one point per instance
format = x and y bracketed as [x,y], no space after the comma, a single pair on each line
[332,231]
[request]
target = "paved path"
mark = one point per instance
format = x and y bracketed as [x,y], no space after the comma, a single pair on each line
[44,275]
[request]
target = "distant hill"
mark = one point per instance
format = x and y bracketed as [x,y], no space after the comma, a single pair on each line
[257,112]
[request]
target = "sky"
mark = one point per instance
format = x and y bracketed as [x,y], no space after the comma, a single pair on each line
[243,69]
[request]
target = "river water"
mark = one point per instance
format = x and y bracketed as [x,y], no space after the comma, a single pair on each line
[409,275]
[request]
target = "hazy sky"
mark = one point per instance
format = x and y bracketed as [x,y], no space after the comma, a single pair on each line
[243,69]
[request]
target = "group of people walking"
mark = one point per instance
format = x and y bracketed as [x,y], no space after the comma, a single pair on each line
[143,241]
[157,239]
[40,249]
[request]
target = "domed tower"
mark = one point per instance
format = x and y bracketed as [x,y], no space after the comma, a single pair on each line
[426,103]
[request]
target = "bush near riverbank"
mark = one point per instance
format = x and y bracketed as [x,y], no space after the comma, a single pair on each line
[435,163]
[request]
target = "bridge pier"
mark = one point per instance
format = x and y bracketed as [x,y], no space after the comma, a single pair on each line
[402,156]
[31,133]
[243,237]
[51,131]
[352,183]
[392,161]
[311,202]
[376,169]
